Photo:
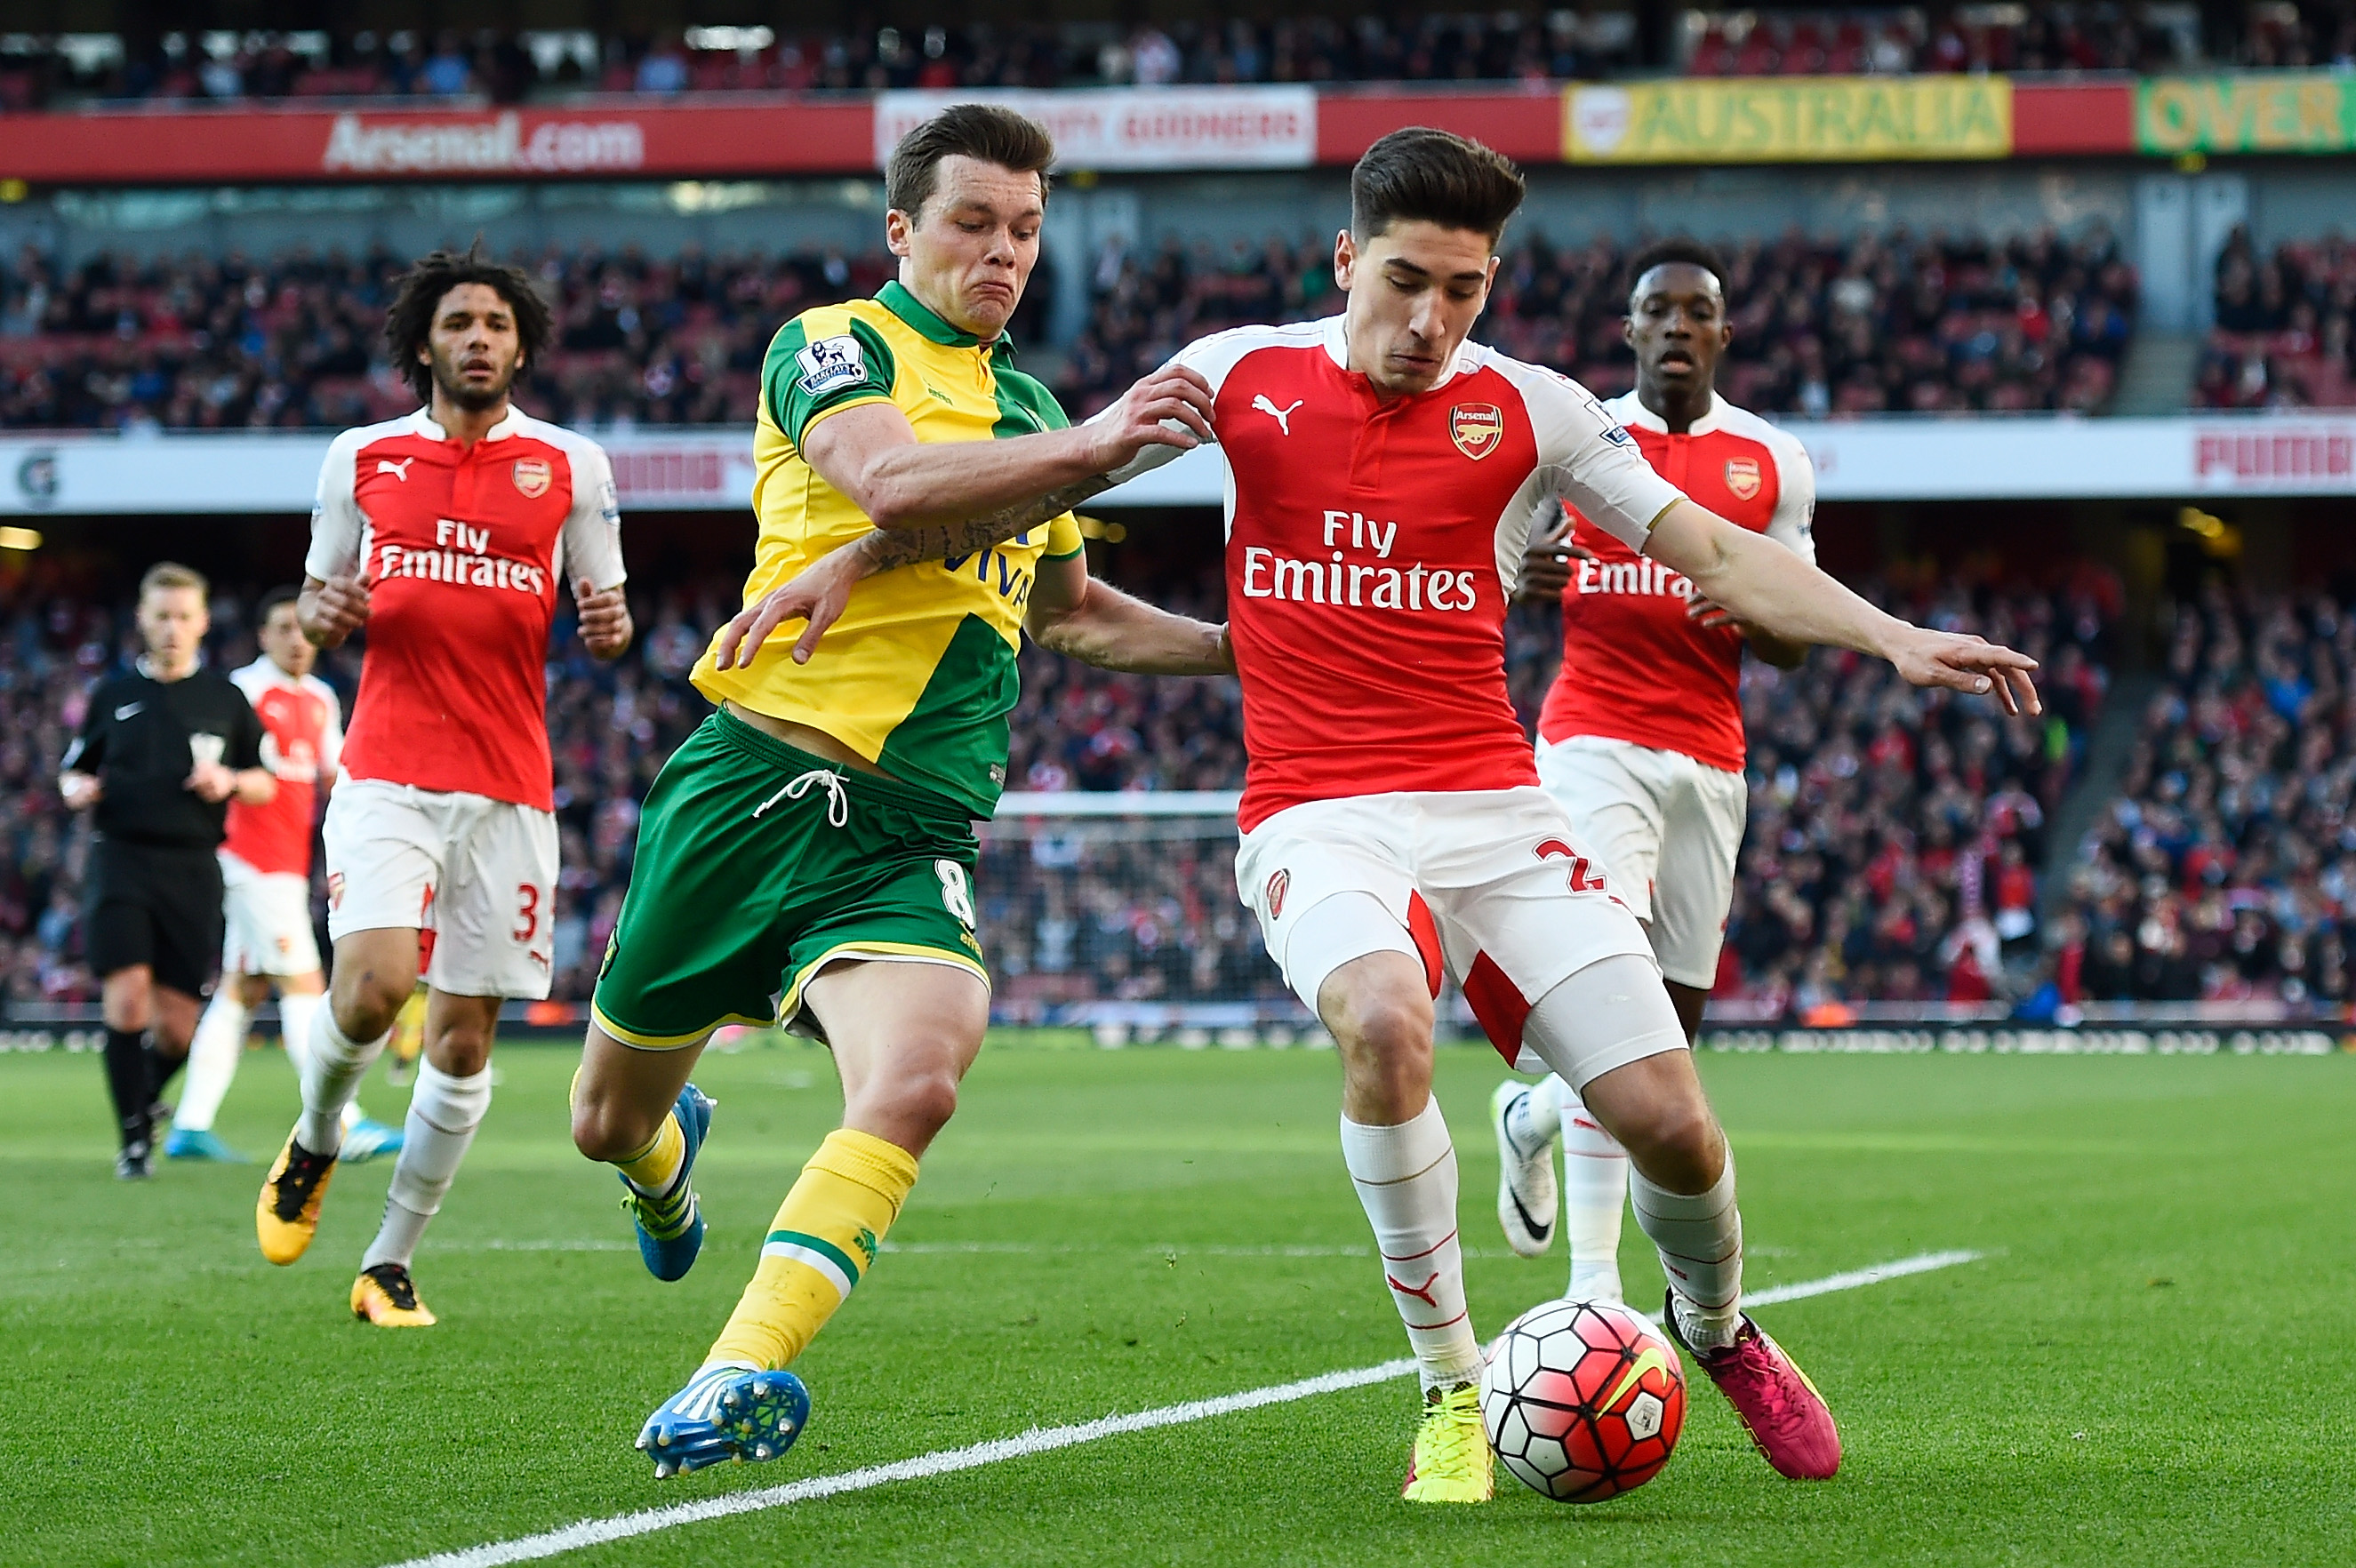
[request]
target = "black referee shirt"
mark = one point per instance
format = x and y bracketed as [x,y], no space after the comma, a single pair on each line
[141,738]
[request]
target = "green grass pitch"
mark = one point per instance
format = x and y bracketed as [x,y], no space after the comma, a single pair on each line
[2155,1363]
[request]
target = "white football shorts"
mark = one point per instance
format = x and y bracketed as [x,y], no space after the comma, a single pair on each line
[1491,886]
[1669,827]
[265,921]
[478,874]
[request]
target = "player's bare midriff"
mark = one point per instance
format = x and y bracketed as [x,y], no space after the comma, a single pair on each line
[817,743]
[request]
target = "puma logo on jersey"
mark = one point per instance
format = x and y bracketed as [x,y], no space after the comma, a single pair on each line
[398,470]
[1283,417]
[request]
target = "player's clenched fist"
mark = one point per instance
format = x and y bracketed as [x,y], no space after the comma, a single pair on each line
[1961,662]
[333,610]
[1546,563]
[1170,408]
[605,618]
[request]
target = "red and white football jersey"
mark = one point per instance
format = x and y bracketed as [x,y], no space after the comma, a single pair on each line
[302,737]
[1373,546]
[1634,668]
[463,550]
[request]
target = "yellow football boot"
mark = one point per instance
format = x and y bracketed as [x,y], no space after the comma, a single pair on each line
[1452,1462]
[386,1296]
[286,1216]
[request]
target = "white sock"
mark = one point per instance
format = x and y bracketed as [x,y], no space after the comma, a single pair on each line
[444,1113]
[1700,1240]
[294,1010]
[332,1065]
[1405,1177]
[1537,1116]
[212,1057]
[1594,1193]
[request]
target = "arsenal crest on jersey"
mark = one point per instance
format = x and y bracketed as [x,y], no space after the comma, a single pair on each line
[1477,428]
[1742,478]
[533,476]
[1277,886]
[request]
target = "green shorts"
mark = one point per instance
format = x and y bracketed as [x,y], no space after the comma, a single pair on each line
[757,865]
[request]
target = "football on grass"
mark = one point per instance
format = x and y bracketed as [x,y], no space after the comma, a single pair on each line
[1584,1400]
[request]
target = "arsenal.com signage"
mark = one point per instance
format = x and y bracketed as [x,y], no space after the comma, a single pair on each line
[2034,457]
[496,146]
[1140,128]
[614,139]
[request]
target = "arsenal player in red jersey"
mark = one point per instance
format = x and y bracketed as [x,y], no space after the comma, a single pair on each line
[1385,474]
[1641,738]
[266,880]
[447,535]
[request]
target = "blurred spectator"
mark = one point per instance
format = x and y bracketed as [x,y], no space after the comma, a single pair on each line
[1943,323]
[2226,869]
[2283,335]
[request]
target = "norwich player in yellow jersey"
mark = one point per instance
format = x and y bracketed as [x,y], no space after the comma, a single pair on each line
[807,855]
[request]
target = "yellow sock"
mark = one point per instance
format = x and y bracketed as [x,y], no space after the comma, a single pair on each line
[654,1168]
[820,1244]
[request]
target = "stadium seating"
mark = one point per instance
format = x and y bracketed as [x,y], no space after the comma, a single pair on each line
[1934,324]
[2226,868]
[1878,826]
[2283,333]
[1446,44]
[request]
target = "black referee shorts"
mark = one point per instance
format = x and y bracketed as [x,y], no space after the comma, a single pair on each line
[145,903]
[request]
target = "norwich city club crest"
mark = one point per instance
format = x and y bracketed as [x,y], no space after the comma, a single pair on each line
[1477,428]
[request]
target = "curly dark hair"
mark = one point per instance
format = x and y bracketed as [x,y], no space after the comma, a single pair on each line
[1671,252]
[409,325]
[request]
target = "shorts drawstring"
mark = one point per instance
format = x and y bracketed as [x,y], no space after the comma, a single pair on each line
[838,799]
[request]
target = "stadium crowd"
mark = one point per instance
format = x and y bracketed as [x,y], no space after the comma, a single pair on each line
[2226,868]
[1894,322]
[1403,43]
[204,342]
[1884,822]
[2285,326]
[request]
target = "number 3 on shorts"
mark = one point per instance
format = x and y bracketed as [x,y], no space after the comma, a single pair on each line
[955,897]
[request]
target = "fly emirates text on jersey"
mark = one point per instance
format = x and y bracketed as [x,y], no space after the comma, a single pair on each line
[464,557]
[1341,580]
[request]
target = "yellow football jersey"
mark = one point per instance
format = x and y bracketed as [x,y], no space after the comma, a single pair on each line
[918,675]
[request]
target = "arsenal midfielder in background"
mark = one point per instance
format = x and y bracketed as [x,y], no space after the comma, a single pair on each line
[1641,738]
[446,535]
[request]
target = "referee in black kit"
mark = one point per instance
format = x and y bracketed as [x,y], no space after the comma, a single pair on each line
[160,754]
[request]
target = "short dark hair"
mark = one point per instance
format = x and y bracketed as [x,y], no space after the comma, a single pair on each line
[1679,250]
[1422,175]
[271,600]
[409,325]
[988,132]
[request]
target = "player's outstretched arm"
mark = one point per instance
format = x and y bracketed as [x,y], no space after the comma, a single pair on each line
[1166,413]
[1097,624]
[1762,584]
[331,609]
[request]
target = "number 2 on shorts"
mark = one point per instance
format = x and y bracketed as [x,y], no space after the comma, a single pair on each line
[955,898]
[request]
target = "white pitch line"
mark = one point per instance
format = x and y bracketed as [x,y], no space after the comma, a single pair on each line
[1042,1440]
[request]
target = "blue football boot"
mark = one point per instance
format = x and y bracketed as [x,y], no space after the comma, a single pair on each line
[670,1230]
[725,1414]
[199,1143]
